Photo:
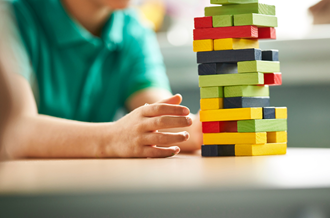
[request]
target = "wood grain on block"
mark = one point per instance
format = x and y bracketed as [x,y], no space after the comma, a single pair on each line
[217,68]
[263,149]
[211,103]
[281,113]
[226,32]
[258,66]
[246,91]
[233,9]
[222,20]
[268,112]
[224,2]
[259,20]
[231,114]
[273,79]
[203,22]
[231,79]
[203,45]
[277,137]
[234,138]
[232,43]
[263,125]
[218,150]
[266,33]
[243,102]
[211,127]
[228,56]
[270,55]
[212,92]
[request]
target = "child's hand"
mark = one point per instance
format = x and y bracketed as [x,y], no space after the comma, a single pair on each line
[136,135]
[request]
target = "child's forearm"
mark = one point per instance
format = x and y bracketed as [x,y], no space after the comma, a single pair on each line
[49,137]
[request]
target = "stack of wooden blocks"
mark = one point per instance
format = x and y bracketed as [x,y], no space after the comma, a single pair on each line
[234,80]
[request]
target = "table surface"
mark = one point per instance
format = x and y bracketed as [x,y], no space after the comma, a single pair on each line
[299,168]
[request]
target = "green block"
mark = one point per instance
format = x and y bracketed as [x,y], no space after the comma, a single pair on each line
[265,125]
[231,79]
[222,20]
[223,2]
[240,9]
[211,92]
[258,66]
[246,91]
[255,20]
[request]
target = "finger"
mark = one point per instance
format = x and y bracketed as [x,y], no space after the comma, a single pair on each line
[158,152]
[166,122]
[165,138]
[175,99]
[160,109]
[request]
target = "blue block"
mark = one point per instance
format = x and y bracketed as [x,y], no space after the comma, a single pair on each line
[268,113]
[242,102]
[218,150]
[217,68]
[270,55]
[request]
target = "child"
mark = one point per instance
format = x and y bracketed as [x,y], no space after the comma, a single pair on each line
[89,58]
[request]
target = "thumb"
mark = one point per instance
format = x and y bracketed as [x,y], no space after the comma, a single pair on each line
[175,99]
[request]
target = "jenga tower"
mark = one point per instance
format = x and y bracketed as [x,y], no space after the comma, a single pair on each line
[234,80]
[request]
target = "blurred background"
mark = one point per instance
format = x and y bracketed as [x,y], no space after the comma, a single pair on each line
[303,41]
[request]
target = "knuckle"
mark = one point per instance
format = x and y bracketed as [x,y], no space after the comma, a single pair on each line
[160,121]
[163,139]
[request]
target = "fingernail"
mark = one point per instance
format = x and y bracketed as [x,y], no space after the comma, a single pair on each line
[186,111]
[189,120]
[186,135]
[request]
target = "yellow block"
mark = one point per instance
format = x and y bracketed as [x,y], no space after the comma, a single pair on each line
[281,113]
[277,137]
[234,138]
[263,149]
[203,45]
[230,44]
[211,103]
[231,114]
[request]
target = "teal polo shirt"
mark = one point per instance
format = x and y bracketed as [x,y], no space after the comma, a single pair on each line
[80,76]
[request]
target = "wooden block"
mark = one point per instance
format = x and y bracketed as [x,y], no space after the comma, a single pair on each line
[231,79]
[234,138]
[211,103]
[273,79]
[231,43]
[243,102]
[266,33]
[270,55]
[281,113]
[277,137]
[219,126]
[217,68]
[259,20]
[268,125]
[226,32]
[228,56]
[222,20]
[240,9]
[224,2]
[258,66]
[264,149]
[211,127]
[203,22]
[231,114]
[203,45]
[268,112]
[211,92]
[246,91]
[218,150]
[228,126]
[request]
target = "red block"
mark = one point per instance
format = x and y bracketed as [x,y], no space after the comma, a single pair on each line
[267,33]
[226,32]
[228,126]
[203,22]
[273,79]
[210,127]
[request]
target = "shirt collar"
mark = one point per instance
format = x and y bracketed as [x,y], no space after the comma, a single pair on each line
[68,32]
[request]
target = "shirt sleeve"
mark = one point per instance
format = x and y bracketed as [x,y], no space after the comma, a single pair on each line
[147,67]
[12,50]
